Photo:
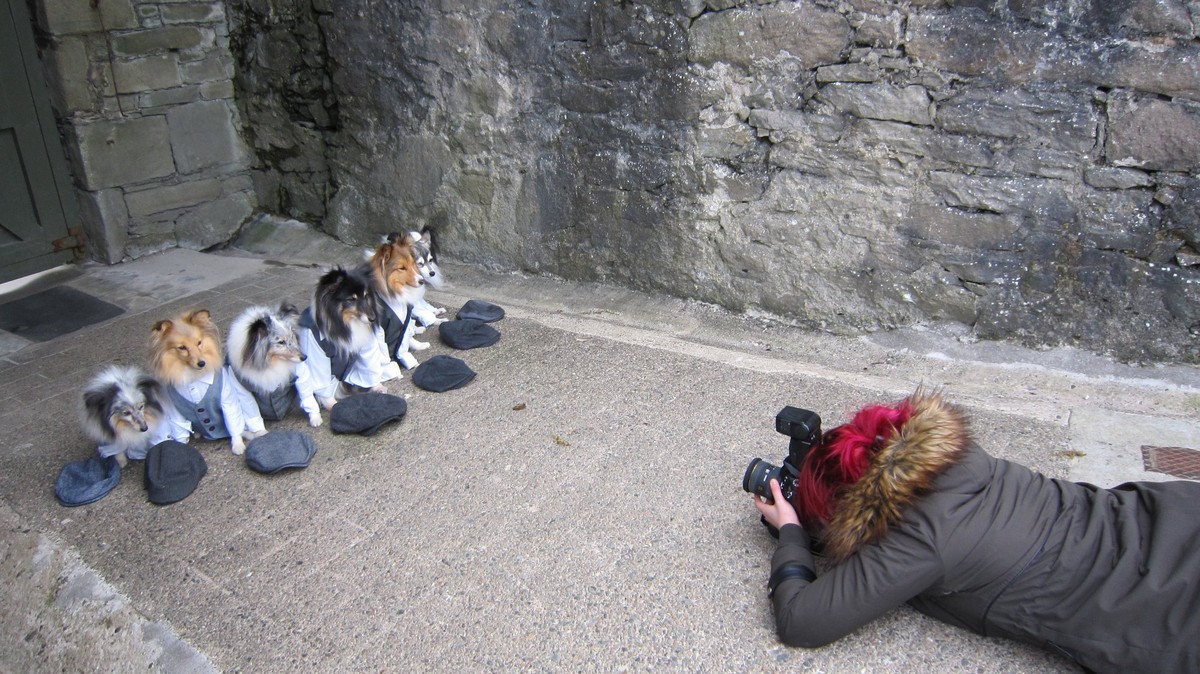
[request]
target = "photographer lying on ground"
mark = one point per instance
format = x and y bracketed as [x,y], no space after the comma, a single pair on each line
[908,508]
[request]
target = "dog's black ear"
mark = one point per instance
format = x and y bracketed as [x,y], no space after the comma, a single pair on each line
[96,400]
[152,391]
[427,234]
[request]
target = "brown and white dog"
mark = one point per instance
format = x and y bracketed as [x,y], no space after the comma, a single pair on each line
[185,352]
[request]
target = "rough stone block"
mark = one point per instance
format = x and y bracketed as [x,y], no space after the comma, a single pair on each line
[744,37]
[1171,70]
[215,66]
[1153,134]
[165,99]
[169,38]
[158,71]
[216,90]
[910,104]
[848,72]
[727,141]
[168,197]
[127,152]
[204,135]
[968,43]
[67,17]
[71,67]
[192,12]
[213,222]
[957,227]
[104,224]
[1112,178]
[1051,119]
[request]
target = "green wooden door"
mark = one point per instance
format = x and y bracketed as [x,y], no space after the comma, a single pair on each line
[39,226]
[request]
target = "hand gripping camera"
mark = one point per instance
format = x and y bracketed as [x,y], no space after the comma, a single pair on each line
[804,429]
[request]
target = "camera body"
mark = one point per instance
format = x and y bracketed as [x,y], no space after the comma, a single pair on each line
[804,429]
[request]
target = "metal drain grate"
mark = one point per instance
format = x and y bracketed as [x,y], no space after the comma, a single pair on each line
[1178,462]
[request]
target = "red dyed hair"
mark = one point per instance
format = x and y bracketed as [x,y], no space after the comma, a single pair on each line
[843,457]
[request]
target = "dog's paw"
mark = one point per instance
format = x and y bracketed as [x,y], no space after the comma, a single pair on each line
[314,420]
[238,446]
[419,330]
[378,388]
[327,403]
[250,435]
[407,360]
[122,460]
[439,310]
[418,345]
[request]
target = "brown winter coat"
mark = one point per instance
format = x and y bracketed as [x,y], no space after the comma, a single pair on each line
[1109,577]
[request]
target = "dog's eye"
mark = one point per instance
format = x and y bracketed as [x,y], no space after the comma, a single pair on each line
[182,348]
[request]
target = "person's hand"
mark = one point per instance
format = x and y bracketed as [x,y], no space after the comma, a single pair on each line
[778,513]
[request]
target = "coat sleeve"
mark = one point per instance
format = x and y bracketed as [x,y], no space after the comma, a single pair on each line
[873,581]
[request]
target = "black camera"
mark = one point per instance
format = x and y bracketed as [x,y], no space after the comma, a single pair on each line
[804,429]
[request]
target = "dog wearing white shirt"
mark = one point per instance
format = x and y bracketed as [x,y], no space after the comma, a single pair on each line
[186,355]
[337,336]
[125,411]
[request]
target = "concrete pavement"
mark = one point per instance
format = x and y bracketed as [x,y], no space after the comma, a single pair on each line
[577,507]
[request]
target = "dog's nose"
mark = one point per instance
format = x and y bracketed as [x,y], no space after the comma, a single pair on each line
[143,426]
[303,357]
[200,364]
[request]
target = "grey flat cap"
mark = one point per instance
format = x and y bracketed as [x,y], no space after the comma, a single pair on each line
[278,450]
[87,481]
[366,413]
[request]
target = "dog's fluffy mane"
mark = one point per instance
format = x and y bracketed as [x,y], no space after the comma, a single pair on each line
[257,334]
[114,390]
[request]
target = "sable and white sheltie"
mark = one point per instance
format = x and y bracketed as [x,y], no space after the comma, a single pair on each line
[424,250]
[337,334]
[398,285]
[186,355]
[264,352]
[123,411]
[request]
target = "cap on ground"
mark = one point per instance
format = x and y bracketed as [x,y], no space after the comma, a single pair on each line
[87,481]
[468,333]
[365,413]
[173,469]
[442,373]
[481,311]
[278,450]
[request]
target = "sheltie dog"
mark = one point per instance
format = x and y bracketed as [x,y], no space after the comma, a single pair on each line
[264,352]
[424,250]
[186,355]
[337,334]
[398,285]
[124,411]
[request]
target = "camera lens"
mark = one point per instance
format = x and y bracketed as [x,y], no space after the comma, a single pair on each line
[757,479]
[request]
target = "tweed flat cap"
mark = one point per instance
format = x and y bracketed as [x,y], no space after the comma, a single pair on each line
[366,413]
[278,450]
[87,481]
[173,469]
[442,373]
[481,311]
[468,333]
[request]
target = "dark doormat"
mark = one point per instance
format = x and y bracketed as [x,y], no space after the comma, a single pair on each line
[53,313]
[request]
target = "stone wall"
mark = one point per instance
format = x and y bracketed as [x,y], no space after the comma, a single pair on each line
[1027,168]
[144,93]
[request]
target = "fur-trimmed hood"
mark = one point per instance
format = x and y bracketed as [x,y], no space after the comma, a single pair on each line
[904,469]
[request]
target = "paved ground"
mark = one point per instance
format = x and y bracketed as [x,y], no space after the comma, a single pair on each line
[578,507]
